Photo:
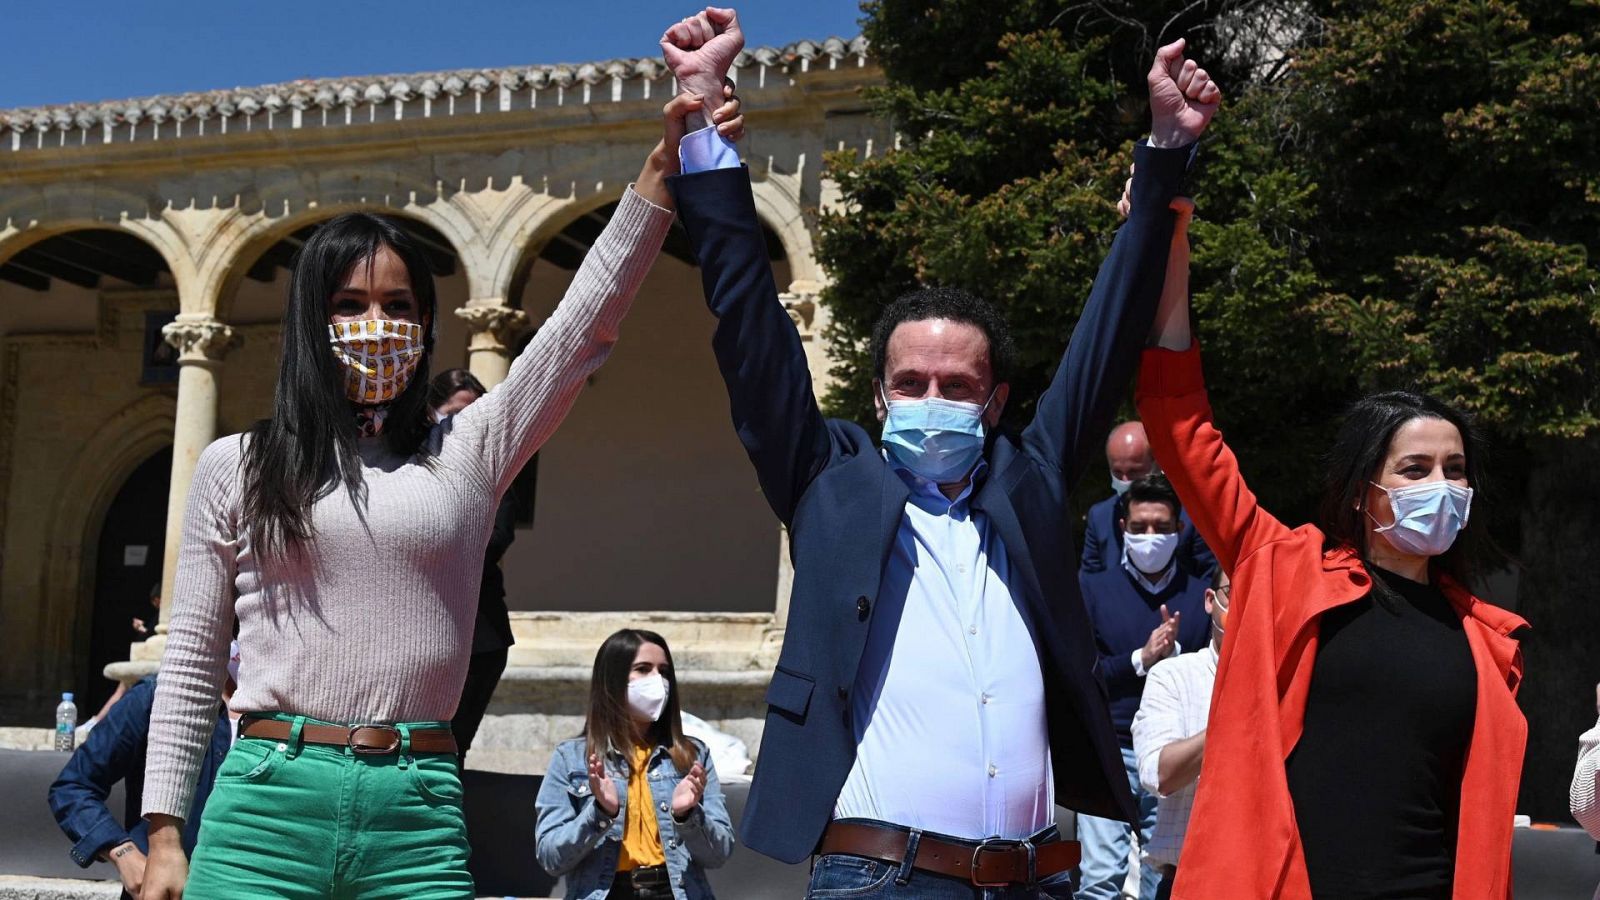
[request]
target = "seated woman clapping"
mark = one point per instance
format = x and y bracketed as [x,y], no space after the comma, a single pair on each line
[632,808]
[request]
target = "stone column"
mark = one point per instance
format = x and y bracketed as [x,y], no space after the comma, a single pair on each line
[495,327]
[201,342]
[772,640]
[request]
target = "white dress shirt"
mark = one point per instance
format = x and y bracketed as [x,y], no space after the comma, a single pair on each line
[1176,701]
[948,706]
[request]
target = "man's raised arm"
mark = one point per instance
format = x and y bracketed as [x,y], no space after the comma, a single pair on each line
[1077,409]
[757,347]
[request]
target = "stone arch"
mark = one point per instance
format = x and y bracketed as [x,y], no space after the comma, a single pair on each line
[517,241]
[155,234]
[779,207]
[243,237]
[122,442]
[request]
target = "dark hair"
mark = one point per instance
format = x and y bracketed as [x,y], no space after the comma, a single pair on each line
[445,384]
[1352,464]
[1153,488]
[1214,578]
[608,726]
[956,305]
[308,447]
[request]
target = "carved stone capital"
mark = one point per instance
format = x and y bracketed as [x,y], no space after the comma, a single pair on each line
[200,340]
[802,310]
[493,327]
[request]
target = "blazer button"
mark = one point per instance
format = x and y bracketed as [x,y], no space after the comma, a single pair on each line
[863,606]
[843,693]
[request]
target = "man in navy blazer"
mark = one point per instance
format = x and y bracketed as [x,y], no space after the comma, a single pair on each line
[1129,458]
[901,736]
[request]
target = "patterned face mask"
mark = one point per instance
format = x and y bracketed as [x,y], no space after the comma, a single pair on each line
[379,357]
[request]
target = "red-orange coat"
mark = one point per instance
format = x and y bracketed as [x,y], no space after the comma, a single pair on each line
[1242,842]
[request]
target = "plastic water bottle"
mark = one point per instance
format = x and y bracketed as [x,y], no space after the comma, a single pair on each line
[66,721]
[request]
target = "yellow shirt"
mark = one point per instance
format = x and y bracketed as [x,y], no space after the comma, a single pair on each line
[641,834]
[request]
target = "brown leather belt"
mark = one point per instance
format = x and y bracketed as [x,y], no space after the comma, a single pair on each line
[366,740]
[991,863]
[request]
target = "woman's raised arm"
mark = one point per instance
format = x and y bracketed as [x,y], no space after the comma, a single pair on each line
[1176,412]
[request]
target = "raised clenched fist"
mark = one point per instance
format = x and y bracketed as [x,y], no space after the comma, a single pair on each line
[701,49]
[1182,98]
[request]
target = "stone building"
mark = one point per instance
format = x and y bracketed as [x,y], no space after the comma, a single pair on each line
[144,248]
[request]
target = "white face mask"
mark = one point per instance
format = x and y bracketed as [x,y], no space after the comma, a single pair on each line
[1150,553]
[647,696]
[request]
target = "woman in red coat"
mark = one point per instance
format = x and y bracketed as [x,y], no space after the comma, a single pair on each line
[1364,738]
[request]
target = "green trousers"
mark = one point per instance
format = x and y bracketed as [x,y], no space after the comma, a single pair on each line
[294,821]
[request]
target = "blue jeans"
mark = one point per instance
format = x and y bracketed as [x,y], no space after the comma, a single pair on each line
[838,876]
[1107,842]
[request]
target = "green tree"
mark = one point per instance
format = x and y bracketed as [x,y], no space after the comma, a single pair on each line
[1414,201]
[1457,152]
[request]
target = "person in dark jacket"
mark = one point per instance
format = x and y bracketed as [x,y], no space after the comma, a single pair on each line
[115,752]
[450,392]
[1129,459]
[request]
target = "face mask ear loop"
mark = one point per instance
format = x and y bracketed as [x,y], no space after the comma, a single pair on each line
[1368,513]
[985,408]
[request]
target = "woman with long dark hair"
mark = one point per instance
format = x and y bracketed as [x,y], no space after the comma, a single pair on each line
[346,533]
[1364,739]
[632,809]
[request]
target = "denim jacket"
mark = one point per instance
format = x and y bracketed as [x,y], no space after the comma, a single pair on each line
[115,752]
[577,840]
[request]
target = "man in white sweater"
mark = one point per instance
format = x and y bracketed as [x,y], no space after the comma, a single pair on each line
[1169,736]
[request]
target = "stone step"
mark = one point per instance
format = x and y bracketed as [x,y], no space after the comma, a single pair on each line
[701,641]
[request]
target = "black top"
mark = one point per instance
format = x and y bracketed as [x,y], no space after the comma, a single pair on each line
[491,630]
[1376,775]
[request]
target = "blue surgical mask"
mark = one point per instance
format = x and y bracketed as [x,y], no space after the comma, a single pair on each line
[934,438]
[1427,516]
[1120,485]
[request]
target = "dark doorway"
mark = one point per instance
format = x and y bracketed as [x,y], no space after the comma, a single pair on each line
[127,567]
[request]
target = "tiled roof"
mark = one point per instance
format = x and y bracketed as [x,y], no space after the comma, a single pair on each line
[167,115]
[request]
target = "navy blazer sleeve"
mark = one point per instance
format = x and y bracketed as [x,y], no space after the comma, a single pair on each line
[1075,412]
[757,347]
[1097,540]
[114,748]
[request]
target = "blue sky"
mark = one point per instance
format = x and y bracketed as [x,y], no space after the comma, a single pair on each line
[58,51]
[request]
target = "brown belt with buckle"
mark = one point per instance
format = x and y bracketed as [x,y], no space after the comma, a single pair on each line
[366,740]
[991,863]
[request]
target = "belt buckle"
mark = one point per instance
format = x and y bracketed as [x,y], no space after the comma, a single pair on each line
[394,742]
[995,845]
[646,877]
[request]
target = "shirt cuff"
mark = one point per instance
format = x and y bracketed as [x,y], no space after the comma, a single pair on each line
[1138,664]
[704,150]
